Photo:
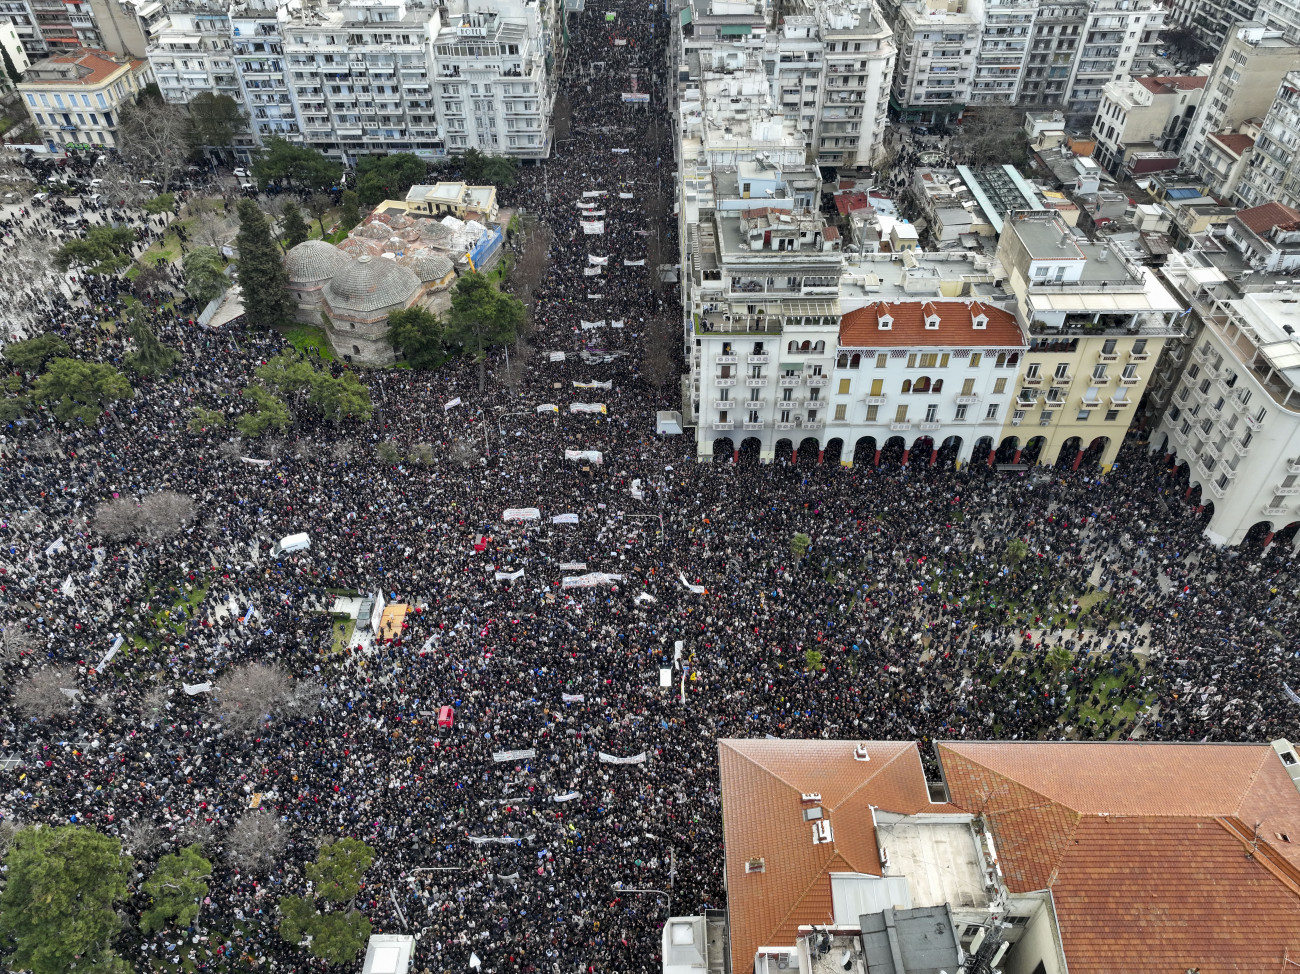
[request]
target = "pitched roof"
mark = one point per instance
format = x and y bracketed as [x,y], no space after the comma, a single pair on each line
[861,328]
[92,67]
[1143,847]
[1261,219]
[1169,84]
[762,781]
[1234,142]
[846,203]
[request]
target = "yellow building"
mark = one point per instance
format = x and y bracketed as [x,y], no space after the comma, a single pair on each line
[76,97]
[1097,322]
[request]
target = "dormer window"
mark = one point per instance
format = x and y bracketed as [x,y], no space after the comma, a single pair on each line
[886,322]
[980,322]
[931,322]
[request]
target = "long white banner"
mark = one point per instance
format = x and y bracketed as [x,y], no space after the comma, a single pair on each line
[573,566]
[594,385]
[520,755]
[591,272]
[597,261]
[573,697]
[611,759]
[595,456]
[589,193]
[521,514]
[548,407]
[508,576]
[590,580]
[595,227]
[586,407]
[565,519]
[634,263]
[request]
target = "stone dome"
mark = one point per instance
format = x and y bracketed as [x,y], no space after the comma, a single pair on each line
[360,247]
[369,284]
[427,266]
[373,231]
[313,261]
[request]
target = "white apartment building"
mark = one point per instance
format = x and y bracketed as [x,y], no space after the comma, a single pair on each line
[794,59]
[1242,83]
[1053,45]
[1143,114]
[938,45]
[1003,51]
[493,88]
[257,47]
[190,51]
[853,112]
[1234,417]
[1120,38]
[1273,172]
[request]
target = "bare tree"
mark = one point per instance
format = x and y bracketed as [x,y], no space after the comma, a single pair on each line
[154,702]
[250,693]
[318,204]
[464,453]
[304,449]
[342,450]
[512,376]
[257,840]
[422,453]
[141,836]
[197,831]
[214,228]
[16,641]
[40,694]
[120,184]
[153,139]
[158,515]
[9,827]
[530,268]
[273,447]
[231,449]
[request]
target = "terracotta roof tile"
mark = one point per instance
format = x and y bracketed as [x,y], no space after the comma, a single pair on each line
[762,781]
[1262,219]
[846,203]
[1234,142]
[99,66]
[1170,84]
[861,328]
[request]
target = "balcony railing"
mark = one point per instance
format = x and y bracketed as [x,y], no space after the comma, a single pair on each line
[758,359]
[783,426]
[930,426]
[1138,356]
[965,400]
[1286,491]
[1119,402]
[1129,380]
[812,424]
[724,383]
[818,381]
[790,381]
[898,427]
[1107,356]
[724,403]
[753,426]
[1062,380]
[1293,466]
[1254,422]
[726,359]
[1033,380]
[756,381]
[723,425]
[1267,509]
[875,400]
[1087,403]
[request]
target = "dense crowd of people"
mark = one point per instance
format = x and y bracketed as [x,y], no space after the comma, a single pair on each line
[910,615]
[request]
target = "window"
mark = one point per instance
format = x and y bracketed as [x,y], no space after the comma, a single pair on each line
[907,386]
[932,413]
[943,360]
[1083,415]
[1108,347]
[900,414]
[873,414]
[992,412]
[999,387]
[960,416]
[1130,372]
[1112,415]
[844,386]
[882,359]
[929,360]
[968,387]
[1099,372]
[975,359]
[1031,372]
[840,412]
[1063,370]
[911,360]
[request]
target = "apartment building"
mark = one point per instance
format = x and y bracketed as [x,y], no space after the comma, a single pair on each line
[190,51]
[1211,21]
[257,49]
[1053,44]
[859,56]
[1097,324]
[76,98]
[794,59]
[1273,169]
[1242,84]
[1233,418]
[938,48]
[1142,115]
[1119,39]
[1003,52]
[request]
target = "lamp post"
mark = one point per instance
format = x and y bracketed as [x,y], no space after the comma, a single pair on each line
[620,888]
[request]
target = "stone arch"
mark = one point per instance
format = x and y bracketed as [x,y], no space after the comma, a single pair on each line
[893,450]
[807,453]
[1257,537]
[864,451]
[981,454]
[833,452]
[1007,450]
[949,452]
[922,384]
[1032,450]
[750,449]
[922,451]
[723,451]
[1067,457]
[1093,453]
[783,452]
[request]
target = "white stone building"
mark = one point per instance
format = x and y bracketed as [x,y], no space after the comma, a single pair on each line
[938,45]
[1003,51]
[190,51]
[1143,114]
[853,110]
[258,51]
[1119,38]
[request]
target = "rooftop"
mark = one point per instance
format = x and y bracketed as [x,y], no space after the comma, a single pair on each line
[81,67]
[1234,142]
[959,324]
[1262,219]
[1171,84]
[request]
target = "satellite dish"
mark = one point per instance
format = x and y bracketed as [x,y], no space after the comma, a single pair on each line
[846,959]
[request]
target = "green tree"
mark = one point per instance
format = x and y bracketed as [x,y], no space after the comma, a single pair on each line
[162,203]
[481,318]
[176,889]
[268,413]
[388,177]
[1059,659]
[151,357]
[296,916]
[105,250]
[417,332]
[77,390]
[29,355]
[387,452]
[812,659]
[480,168]
[800,544]
[295,229]
[339,937]
[205,274]
[335,399]
[339,869]
[1016,551]
[262,277]
[350,215]
[282,161]
[11,70]
[215,120]
[57,910]
[205,419]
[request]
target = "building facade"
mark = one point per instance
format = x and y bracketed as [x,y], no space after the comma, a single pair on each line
[1142,115]
[77,98]
[859,54]
[938,45]
[1003,51]
[1119,38]
[1053,45]
[1273,172]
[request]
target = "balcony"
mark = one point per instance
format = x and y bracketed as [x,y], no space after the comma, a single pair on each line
[818,381]
[1119,402]
[1254,422]
[1086,403]
[814,424]
[1293,466]
[783,426]
[1266,509]
[723,425]
[1216,489]
[1129,380]
[724,383]
[753,426]
[930,427]
[1062,380]
[1107,356]
[790,381]
[725,403]
[1287,491]
[900,427]
[726,359]
[1138,356]
[1033,380]
[875,400]
[758,359]
[1238,445]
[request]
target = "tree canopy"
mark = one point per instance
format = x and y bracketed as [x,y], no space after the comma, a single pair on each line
[481,317]
[339,869]
[330,397]
[151,357]
[388,177]
[350,215]
[479,167]
[262,276]
[293,226]
[205,274]
[282,161]
[337,936]
[105,250]
[269,412]
[176,889]
[417,332]
[57,910]
[215,120]
[29,355]
[76,390]
[153,138]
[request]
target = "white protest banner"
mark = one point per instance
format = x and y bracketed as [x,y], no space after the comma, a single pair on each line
[591,325]
[495,840]
[548,407]
[616,323]
[108,658]
[590,580]
[521,514]
[665,676]
[594,297]
[609,384]
[611,759]
[573,566]
[586,205]
[565,519]
[67,588]
[586,407]
[451,404]
[644,597]
[255,462]
[520,755]
[591,272]
[591,213]
[597,261]
[697,589]
[194,689]
[626,196]
[637,492]
[556,356]
[595,456]
[589,193]
[475,962]
[56,546]
[573,697]
[508,576]
[620,151]
[568,796]
[634,263]
[594,227]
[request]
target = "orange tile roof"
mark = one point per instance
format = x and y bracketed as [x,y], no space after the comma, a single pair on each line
[861,328]
[1143,847]
[762,781]
[1261,219]
[1170,84]
[1234,142]
[99,66]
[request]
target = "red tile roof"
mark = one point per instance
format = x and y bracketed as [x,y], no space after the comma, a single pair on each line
[762,781]
[1172,83]
[1262,219]
[846,203]
[1144,848]
[97,67]
[861,328]
[1234,142]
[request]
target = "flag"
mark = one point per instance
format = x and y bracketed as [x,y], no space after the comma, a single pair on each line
[474,962]
[451,404]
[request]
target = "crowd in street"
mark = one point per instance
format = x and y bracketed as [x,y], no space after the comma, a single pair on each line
[909,616]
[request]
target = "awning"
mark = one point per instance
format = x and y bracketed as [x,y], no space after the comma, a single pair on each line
[736,30]
[791,366]
[686,16]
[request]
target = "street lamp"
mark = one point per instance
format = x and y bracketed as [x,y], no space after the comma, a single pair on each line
[620,888]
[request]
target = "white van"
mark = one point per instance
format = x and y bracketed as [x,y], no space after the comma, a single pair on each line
[290,544]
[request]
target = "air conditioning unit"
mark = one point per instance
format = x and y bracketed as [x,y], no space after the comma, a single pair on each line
[822,832]
[860,753]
